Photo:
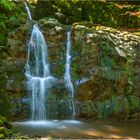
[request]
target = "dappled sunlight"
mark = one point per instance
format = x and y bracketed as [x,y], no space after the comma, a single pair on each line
[112,129]
[78,129]
[121,137]
[94,133]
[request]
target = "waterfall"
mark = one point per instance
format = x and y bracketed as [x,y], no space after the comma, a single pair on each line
[67,75]
[38,73]
[28,10]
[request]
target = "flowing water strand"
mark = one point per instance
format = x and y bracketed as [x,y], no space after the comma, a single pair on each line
[28,10]
[67,75]
[37,73]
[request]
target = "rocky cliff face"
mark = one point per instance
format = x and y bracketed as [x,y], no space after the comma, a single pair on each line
[105,68]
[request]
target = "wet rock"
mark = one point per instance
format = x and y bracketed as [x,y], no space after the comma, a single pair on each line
[107,58]
[5,129]
[136,117]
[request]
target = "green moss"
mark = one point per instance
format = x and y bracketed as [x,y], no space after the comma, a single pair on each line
[114,14]
[104,109]
[1,123]
[134,102]
[117,105]
[5,128]
[5,104]
[2,136]
[10,17]
[121,104]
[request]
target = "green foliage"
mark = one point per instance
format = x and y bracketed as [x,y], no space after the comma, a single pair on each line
[2,136]
[106,61]
[117,104]
[5,104]
[2,38]
[5,128]
[134,102]
[11,15]
[105,13]
[121,104]
[6,5]
[105,108]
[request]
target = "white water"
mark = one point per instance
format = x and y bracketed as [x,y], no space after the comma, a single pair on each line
[67,75]
[49,123]
[38,74]
[28,10]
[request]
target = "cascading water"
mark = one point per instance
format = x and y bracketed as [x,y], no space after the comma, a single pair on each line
[67,75]
[37,73]
[28,10]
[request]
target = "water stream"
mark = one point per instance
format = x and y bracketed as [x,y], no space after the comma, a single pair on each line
[67,75]
[38,74]
[28,10]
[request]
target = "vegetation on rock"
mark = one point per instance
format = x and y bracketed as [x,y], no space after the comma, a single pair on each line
[116,14]
[5,128]
[11,16]
[105,59]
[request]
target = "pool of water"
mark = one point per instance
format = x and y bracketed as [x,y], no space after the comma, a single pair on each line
[79,129]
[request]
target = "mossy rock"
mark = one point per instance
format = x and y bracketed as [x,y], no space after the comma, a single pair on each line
[2,136]
[1,123]
[2,119]
[134,102]
[87,110]
[2,130]
[5,104]
[5,128]
[136,117]
[113,107]
[50,22]
[115,14]
[121,104]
